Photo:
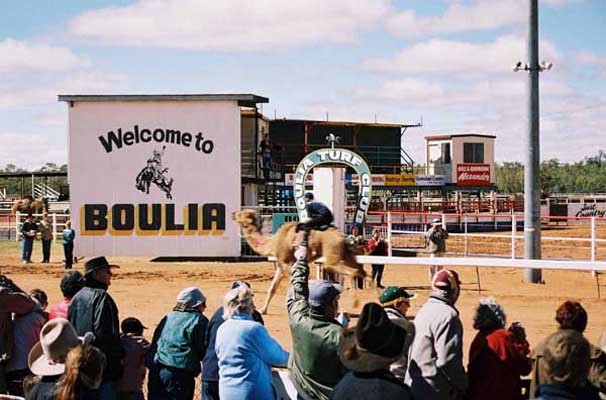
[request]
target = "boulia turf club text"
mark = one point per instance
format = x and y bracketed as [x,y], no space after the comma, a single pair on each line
[120,138]
[151,219]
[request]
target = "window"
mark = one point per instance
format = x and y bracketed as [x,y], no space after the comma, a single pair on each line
[473,153]
[445,153]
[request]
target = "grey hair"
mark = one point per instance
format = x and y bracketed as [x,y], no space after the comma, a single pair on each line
[489,315]
[238,301]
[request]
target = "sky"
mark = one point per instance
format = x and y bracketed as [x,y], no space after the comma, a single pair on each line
[445,63]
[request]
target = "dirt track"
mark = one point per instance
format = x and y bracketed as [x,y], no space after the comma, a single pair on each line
[147,290]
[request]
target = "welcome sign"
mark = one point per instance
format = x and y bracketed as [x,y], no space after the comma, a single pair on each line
[154,178]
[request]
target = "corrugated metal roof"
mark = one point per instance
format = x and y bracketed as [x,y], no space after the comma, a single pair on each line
[243,99]
[446,137]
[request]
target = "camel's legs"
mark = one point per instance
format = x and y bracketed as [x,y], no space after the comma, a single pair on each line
[275,282]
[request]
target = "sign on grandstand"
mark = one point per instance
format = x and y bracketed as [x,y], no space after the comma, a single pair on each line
[154,177]
[473,174]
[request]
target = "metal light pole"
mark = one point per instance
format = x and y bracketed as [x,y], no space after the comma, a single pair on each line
[532,161]
[532,165]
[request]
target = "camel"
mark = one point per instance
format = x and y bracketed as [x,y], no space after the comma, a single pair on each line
[331,244]
[28,205]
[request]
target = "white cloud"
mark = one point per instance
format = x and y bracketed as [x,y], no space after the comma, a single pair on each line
[238,25]
[20,56]
[461,17]
[40,148]
[488,14]
[439,56]
[26,94]
[590,58]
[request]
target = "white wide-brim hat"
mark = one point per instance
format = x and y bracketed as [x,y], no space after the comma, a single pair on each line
[57,338]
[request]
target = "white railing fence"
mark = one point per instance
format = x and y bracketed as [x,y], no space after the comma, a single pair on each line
[58,223]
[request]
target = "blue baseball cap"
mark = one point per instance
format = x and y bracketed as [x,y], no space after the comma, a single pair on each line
[323,292]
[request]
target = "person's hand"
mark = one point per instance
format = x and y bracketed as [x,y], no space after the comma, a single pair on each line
[343,319]
[301,252]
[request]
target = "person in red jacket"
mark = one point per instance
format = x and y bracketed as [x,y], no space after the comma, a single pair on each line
[497,356]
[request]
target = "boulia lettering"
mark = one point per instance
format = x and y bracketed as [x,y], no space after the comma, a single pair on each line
[117,139]
[125,219]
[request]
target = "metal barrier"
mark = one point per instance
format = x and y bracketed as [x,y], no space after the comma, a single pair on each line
[59,222]
[470,226]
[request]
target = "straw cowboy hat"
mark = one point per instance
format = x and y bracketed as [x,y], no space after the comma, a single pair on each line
[375,343]
[57,337]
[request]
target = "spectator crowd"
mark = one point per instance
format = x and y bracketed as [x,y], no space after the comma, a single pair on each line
[81,350]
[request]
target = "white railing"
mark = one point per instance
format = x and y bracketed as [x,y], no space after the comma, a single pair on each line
[512,236]
[58,224]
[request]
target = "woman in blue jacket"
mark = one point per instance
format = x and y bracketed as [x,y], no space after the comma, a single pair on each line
[245,351]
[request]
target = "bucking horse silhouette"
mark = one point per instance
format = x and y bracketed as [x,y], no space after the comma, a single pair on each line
[154,173]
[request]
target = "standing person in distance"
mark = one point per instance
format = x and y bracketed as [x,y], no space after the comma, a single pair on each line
[435,242]
[377,247]
[93,310]
[28,234]
[46,236]
[68,244]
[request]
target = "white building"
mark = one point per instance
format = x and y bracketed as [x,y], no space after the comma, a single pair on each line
[463,160]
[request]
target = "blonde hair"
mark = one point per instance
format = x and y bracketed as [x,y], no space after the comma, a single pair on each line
[83,368]
[238,300]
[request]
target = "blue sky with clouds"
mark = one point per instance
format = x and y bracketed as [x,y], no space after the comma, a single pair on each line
[445,61]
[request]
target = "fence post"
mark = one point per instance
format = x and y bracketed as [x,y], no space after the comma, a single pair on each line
[17,219]
[389,233]
[593,238]
[54,227]
[465,236]
[514,228]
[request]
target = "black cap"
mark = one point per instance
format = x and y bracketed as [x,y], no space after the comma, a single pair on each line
[97,263]
[309,196]
[132,325]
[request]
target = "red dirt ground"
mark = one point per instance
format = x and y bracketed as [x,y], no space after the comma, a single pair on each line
[148,289]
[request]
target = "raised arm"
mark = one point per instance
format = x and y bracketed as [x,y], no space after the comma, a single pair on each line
[297,302]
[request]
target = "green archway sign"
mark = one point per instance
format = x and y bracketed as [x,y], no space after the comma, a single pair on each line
[334,156]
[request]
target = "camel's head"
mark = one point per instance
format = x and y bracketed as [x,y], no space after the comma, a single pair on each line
[245,217]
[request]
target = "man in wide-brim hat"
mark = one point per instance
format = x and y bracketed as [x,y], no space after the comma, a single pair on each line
[47,358]
[368,351]
[435,241]
[93,310]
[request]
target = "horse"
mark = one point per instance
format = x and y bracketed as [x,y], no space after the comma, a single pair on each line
[148,175]
[29,205]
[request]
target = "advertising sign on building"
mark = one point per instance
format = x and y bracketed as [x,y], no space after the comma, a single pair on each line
[154,178]
[399,180]
[473,174]
[289,179]
[430,180]
[377,179]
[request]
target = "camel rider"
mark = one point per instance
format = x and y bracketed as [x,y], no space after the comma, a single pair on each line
[155,163]
[319,217]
